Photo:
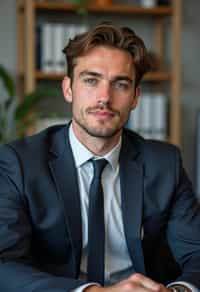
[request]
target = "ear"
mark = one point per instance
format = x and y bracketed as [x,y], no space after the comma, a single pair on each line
[136,97]
[66,88]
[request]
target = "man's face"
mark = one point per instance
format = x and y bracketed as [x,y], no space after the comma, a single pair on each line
[102,92]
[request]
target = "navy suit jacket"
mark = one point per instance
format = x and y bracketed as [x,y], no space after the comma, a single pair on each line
[40,217]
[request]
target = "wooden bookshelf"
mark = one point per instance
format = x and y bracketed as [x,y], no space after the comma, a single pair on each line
[27,13]
[151,76]
[114,8]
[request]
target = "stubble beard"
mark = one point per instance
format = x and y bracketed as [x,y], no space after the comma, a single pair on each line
[101,131]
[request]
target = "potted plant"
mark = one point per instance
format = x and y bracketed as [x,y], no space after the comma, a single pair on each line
[16,117]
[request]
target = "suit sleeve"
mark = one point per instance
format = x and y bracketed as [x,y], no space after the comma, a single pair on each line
[184,226]
[18,272]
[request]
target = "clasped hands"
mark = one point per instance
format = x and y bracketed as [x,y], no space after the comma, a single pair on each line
[135,283]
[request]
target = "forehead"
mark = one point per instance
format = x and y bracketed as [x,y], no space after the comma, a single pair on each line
[106,59]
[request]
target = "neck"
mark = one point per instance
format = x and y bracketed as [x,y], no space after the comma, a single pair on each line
[97,145]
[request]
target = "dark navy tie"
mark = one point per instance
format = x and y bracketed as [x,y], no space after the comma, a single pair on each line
[96,226]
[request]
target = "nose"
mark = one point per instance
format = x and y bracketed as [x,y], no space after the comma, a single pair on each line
[105,93]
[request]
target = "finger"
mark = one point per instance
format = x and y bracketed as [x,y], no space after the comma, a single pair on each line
[145,282]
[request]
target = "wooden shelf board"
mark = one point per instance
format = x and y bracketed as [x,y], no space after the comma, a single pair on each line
[157,76]
[48,76]
[151,76]
[114,8]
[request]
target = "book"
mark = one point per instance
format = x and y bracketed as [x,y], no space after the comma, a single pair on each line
[149,118]
[159,116]
[133,122]
[146,115]
[58,44]
[38,46]
[47,47]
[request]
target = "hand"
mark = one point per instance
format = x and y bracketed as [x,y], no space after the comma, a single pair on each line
[135,283]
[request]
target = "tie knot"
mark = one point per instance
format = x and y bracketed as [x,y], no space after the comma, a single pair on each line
[99,165]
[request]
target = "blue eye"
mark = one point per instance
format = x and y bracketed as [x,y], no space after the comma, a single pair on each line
[91,81]
[121,85]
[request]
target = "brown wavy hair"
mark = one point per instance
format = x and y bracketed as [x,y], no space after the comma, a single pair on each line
[108,34]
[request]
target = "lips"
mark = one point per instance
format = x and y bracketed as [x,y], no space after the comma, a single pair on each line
[102,114]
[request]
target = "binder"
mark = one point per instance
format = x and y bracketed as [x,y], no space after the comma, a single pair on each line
[133,122]
[47,47]
[58,44]
[146,115]
[159,116]
[38,47]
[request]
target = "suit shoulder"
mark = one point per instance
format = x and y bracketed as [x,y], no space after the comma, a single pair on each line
[151,147]
[36,143]
[161,147]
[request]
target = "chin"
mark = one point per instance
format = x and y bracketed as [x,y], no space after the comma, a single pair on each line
[99,129]
[103,132]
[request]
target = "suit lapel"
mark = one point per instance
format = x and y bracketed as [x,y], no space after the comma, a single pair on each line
[65,176]
[131,179]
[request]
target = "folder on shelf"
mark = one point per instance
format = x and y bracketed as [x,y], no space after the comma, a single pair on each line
[159,116]
[149,118]
[47,47]
[58,45]
[38,46]
[133,122]
[146,116]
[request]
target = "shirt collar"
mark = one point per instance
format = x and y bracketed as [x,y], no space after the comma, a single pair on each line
[82,154]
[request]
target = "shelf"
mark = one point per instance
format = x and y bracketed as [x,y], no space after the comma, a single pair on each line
[151,76]
[113,8]
[29,12]
[157,76]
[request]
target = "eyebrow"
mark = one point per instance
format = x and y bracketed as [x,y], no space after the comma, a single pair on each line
[91,73]
[99,75]
[123,78]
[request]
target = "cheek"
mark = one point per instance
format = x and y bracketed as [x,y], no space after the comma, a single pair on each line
[124,104]
[80,103]
[125,110]
[84,98]
[79,88]
[80,93]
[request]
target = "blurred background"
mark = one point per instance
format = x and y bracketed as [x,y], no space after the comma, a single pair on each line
[33,31]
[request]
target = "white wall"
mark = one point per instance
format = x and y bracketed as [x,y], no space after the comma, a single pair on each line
[8,34]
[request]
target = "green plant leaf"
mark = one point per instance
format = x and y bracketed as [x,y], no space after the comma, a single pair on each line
[7,82]
[16,117]
[30,100]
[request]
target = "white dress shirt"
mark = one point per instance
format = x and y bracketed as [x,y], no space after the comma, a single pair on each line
[118,264]
[116,253]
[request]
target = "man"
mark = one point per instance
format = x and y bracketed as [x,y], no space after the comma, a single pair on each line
[49,241]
